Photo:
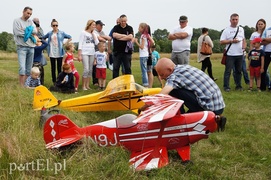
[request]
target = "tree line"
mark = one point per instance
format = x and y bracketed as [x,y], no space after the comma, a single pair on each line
[163,45]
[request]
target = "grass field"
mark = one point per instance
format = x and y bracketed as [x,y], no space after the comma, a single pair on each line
[242,151]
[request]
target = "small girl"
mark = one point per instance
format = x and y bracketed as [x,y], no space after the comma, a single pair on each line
[68,59]
[100,59]
[144,51]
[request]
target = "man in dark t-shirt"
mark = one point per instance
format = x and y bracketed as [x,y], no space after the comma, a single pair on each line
[123,47]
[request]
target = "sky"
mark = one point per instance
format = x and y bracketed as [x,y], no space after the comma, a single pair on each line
[72,16]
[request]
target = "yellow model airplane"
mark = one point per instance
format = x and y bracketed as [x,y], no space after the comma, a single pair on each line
[121,93]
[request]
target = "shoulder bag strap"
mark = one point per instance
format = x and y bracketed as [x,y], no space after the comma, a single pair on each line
[233,38]
[204,38]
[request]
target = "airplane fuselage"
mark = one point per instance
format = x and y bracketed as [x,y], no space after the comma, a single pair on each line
[178,131]
[122,101]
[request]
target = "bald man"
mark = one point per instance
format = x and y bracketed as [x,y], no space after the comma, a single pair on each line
[198,91]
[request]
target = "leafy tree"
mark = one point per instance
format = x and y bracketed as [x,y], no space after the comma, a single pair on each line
[161,40]
[196,34]
[11,46]
[160,34]
[5,38]
[248,31]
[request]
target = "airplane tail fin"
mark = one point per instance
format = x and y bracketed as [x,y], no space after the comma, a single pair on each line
[60,131]
[43,98]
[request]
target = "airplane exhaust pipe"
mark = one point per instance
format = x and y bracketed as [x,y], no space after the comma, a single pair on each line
[221,122]
[46,114]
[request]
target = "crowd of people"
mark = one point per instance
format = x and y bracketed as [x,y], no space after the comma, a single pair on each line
[183,81]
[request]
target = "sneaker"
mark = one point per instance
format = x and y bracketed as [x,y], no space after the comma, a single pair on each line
[227,90]
[238,89]
[84,89]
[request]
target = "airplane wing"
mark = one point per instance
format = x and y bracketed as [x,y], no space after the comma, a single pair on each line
[120,86]
[149,158]
[161,107]
[63,142]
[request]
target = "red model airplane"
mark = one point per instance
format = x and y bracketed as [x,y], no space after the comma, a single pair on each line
[149,136]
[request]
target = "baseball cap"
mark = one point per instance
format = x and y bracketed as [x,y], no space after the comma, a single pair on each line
[100,22]
[183,18]
[257,40]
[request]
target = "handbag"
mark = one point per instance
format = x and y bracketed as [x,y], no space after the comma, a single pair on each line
[43,61]
[206,49]
[224,56]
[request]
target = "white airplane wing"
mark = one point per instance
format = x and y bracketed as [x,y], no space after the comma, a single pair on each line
[161,107]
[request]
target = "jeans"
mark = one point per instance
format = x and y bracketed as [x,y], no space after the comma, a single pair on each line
[121,58]
[267,60]
[190,101]
[25,59]
[180,57]
[244,71]
[144,75]
[87,61]
[233,62]
[53,67]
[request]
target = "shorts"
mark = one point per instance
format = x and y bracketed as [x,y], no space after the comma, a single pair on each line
[101,73]
[149,68]
[255,71]
[25,59]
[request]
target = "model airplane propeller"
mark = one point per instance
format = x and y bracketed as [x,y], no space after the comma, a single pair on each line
[148,136]
[121,93]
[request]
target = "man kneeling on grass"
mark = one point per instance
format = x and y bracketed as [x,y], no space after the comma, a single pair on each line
[198,91]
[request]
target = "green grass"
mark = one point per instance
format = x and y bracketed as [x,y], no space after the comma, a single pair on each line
[242,151]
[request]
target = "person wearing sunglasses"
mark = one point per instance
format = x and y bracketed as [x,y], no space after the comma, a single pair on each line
[55,47]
